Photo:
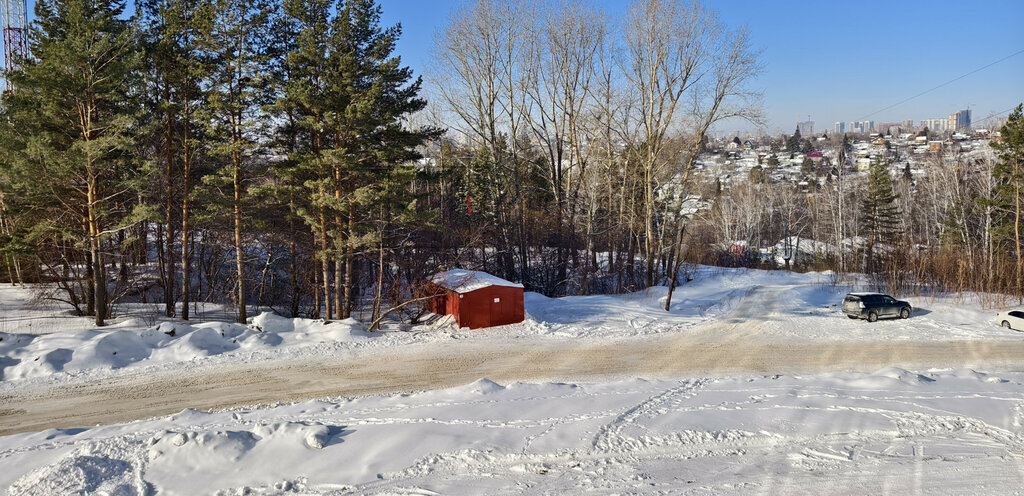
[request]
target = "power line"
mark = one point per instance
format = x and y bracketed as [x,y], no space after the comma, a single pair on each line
[901,102]
[994,115]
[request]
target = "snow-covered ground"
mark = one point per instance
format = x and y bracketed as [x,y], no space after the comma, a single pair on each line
[704,399]
[777,306]
[890,432]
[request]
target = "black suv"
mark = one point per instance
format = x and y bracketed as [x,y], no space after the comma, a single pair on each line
[872,306]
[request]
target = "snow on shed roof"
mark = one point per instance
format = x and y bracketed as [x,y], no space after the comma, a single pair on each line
[464,281]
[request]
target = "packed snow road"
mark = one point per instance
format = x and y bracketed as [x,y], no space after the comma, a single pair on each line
[420,367]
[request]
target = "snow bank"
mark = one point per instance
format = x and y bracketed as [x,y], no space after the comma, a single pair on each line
[26,356]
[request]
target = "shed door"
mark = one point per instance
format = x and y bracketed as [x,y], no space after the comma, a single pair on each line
[501,308]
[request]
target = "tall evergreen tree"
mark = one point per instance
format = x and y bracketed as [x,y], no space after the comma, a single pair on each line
[305,103]
[880,219]
[350,96]
[72,120]
[374,95]
[793,142]
[176,73]
[1008,196]
[237,46]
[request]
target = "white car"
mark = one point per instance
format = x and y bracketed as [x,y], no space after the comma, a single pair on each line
[1011,319]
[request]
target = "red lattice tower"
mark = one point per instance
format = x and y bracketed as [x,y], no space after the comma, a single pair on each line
[15,35]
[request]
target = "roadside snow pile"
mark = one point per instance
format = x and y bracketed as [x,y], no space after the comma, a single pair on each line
[717,304]
[889,432]
[26,356]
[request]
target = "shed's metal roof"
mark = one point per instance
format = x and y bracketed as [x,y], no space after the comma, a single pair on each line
[464,281]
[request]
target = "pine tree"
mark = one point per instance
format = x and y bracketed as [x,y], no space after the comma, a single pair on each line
[304,104]
[371,94]
[236,45]
[177,70]
[72,120]
[793,142]
[880,219]
[1008,197]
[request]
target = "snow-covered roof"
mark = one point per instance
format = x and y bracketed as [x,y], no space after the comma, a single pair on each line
[464,281]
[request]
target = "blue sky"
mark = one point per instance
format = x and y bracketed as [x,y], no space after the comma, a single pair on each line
[837,60]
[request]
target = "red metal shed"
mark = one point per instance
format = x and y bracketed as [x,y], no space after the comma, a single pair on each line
[477,299]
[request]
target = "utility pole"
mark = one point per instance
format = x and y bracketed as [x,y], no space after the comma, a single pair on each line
[13,13]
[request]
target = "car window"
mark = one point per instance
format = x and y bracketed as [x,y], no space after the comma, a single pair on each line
[889,301]
[1017,313]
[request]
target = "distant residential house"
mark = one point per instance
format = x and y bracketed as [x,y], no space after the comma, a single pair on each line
[801,251]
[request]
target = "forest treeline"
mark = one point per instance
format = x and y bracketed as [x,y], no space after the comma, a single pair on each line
[276,153]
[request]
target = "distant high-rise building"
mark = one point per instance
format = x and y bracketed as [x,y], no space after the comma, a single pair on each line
[959,121]
[935,125]
[887,127]
[907,124]
[806,128]
[862,127]
[840,128]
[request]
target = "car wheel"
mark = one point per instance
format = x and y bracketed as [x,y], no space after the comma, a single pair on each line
[872,317]
[905,313]
[1006,324]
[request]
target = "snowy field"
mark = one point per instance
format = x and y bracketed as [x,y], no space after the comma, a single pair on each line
[754,383]
[890,432]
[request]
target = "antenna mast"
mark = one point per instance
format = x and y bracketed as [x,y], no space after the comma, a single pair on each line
[15,21]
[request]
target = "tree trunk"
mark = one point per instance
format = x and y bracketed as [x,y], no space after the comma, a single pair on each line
[649,246]
[161,258]
[95,257]
[325,266]
[293,258]
[380,281]
[316,284]
[169,204]
[1017,241]
[186,229]
[339,266]
[338,238]
[239,261]
[350,249]
[675,261]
